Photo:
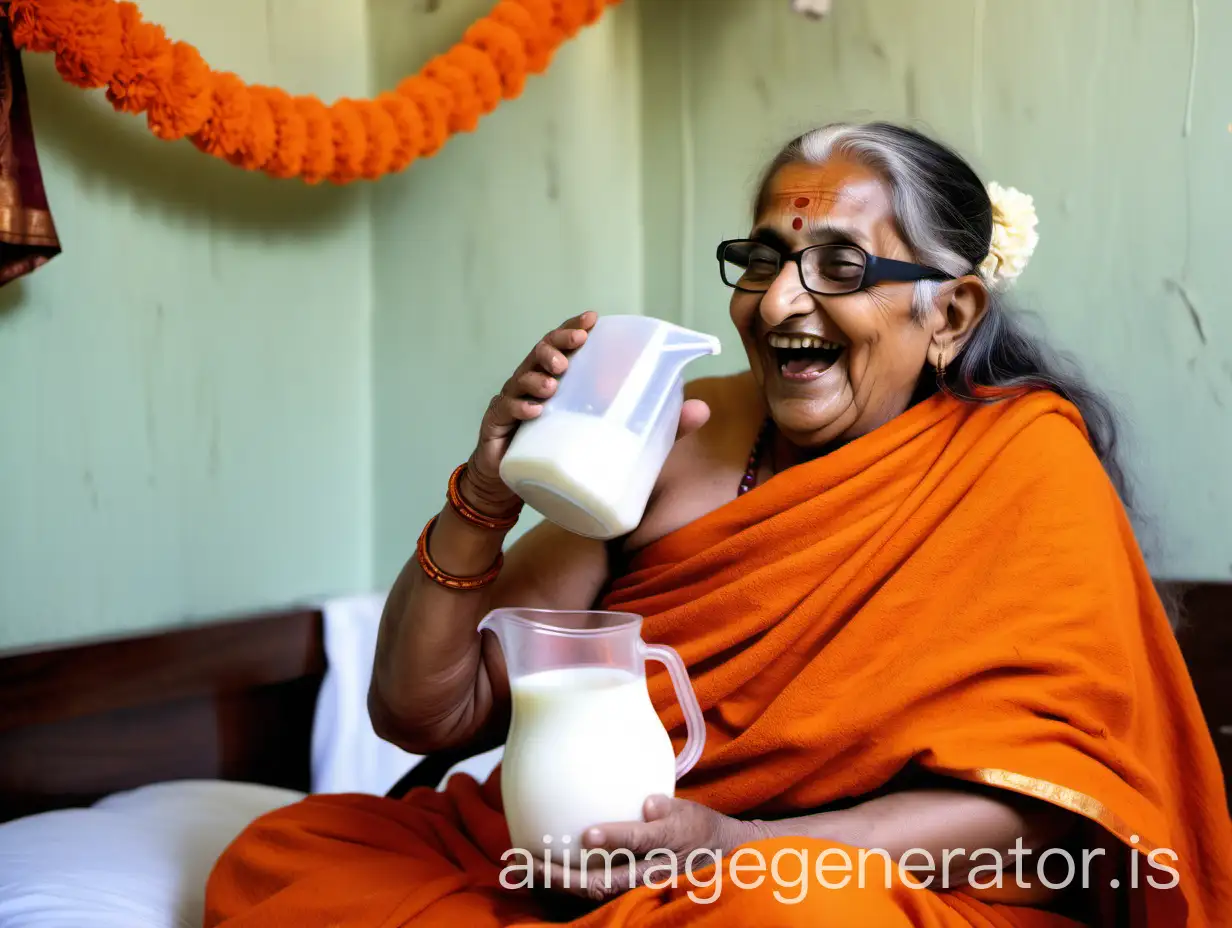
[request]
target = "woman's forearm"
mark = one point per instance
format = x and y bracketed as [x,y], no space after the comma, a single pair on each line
[937,821]
[430,687]
[435,681]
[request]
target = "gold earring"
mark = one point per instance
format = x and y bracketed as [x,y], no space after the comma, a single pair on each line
[941,363]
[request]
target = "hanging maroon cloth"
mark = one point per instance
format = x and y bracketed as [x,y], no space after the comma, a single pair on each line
[27,234]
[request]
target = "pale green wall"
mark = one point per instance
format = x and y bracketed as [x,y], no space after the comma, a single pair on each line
[231,392]
[483,248]
[1083,105]
[184,393]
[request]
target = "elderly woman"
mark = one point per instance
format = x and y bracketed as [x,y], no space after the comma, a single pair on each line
[896,557]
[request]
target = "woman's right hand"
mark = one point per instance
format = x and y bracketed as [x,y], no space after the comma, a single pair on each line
[520,400]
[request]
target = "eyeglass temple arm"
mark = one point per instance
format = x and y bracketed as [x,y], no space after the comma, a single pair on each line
[889,269]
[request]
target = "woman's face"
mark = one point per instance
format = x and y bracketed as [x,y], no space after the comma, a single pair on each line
[814,396]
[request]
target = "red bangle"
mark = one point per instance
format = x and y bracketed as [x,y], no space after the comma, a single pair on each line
[469,513]
[436,575]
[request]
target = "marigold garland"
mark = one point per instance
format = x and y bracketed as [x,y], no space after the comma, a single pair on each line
[105,43]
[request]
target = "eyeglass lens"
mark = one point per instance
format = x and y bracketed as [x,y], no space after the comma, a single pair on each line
[832,269]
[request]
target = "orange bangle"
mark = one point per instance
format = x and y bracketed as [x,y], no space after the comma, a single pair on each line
[469,513]
[436,575]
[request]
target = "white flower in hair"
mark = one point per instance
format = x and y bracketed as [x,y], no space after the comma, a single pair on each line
[814,9]
[1014,235]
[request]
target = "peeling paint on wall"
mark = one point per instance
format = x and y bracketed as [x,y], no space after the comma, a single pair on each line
[1175,286]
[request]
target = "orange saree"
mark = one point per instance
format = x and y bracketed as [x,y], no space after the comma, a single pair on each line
[958,593]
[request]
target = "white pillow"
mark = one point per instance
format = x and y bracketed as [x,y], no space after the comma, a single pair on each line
[137,859]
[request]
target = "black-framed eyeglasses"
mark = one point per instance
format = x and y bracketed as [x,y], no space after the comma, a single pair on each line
[830,269]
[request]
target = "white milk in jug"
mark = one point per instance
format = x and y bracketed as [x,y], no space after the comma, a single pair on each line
[583,471]
[586,747]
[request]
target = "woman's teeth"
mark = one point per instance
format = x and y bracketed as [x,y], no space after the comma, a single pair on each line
[802,341]
[804,357]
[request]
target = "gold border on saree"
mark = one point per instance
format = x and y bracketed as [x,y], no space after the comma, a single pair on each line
[1063,796]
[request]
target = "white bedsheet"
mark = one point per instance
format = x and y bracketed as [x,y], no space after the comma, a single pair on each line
[347,755]
[138,859]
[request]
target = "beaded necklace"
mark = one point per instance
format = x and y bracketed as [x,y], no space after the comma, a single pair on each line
[750,472]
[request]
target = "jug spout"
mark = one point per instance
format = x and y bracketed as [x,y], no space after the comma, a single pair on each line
[661,372]
[516,632]
[503,623]
[681,345]
[695,344]
[493,622]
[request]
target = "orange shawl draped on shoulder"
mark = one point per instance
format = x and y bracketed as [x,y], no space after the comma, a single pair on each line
[958,593]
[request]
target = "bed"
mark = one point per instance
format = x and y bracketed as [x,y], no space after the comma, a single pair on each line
[127,764]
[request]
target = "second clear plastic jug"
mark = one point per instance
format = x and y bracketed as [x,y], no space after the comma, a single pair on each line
[591,458]
[585,745]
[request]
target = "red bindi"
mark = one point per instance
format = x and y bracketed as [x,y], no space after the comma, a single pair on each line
[801,202]
[797,223]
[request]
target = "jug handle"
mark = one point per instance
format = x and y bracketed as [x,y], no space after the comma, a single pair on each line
[694,722]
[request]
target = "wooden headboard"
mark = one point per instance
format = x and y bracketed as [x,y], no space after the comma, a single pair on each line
[234,700]
[1206,641]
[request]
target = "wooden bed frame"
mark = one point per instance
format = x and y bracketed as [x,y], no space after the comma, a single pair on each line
[234,699]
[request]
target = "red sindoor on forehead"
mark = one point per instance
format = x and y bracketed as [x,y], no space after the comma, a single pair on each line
[799,203]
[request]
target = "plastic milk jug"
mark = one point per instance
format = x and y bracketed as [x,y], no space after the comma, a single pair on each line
[585,745]
[589,461]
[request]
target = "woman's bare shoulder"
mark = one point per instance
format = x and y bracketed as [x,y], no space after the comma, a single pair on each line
[736,414]
[730,394]
[703,470]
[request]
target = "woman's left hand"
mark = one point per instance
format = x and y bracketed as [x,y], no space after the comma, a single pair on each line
[677,835]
